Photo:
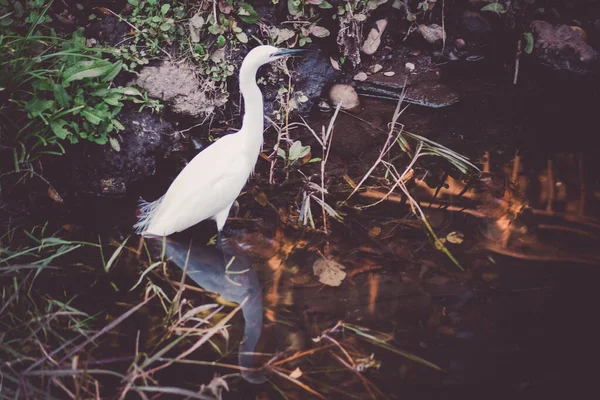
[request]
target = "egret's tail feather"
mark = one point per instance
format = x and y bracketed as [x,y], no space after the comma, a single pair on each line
[148,210]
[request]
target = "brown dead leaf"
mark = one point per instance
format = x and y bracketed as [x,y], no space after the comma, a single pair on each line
[53,194]
[330,272]
[306,158]
[455,237]
[349,181]
[261,198]
[374,231]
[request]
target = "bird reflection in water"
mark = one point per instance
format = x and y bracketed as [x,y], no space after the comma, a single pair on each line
[227,271]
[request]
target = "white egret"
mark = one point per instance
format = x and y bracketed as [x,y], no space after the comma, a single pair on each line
[208,186]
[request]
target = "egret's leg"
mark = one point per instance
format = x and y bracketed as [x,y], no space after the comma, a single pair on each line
[219,243]
[221,217]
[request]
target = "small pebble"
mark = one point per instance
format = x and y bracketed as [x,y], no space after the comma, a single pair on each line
[389,73]
[361,76]
[344,94]
[459,43]
[410,67]
[376,68]
[373,39]
[323,106]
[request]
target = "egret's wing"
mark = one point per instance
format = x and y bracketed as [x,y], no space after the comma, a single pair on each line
[208,184]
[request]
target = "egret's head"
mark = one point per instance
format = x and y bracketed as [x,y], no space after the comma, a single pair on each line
[265,54]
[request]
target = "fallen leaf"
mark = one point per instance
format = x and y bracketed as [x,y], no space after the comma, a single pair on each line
[53,194]
[455,237]
[334,63]
[261,198]
[295,374]
[329,272]
[352,184]
[375,231]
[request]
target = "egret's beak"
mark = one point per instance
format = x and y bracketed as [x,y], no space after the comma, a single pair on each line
[288,52]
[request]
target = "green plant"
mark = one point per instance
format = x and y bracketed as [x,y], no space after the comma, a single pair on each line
[494,7]
[55,91]
[296,152]
[155,24]
[298,8]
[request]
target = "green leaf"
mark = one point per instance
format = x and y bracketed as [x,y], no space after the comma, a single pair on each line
[248,14]
[165,27]
[494,7]
[221,40]
[100,92]
[281,153]
[6,21]
[58,128]
[242,37]
[100,140]
[133,2]
[91,115]
[114,143]
[528,42]
[325,5]
[165,8]
[37,106]
[85,70]
[129,91]
[61,95]
[113,72]
[42,84]
[373,4]
[117,125]
[297,151]
[113,100]
[295,7]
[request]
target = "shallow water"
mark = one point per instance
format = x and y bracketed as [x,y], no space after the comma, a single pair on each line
[405,321]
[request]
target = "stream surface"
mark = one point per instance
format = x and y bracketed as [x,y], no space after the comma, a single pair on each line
[519,324]
[508,326]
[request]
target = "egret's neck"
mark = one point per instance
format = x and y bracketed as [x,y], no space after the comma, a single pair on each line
[253,122]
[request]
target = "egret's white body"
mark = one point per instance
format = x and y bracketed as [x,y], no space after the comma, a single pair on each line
[208,186]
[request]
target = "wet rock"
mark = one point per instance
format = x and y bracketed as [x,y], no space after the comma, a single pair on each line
[343,94]
[179,86]
[432,33]
[100,170]
[375,68]
[311,74]
[422,87]
[563,47]
[474,26]
[373,39]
